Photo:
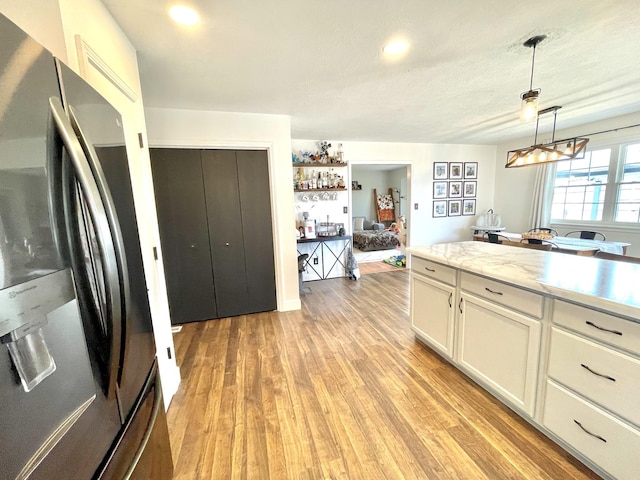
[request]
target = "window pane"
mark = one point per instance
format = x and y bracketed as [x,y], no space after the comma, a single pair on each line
[580,187]
[629,189]
[627,212]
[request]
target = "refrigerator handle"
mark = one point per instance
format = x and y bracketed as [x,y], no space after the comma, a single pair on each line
[110,209]
[103,234]
[54,199]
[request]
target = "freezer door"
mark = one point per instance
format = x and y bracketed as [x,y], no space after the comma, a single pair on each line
[143,451]
[50,405]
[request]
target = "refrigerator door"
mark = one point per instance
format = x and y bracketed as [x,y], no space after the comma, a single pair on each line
[142,451]
[50,405]
[99,128]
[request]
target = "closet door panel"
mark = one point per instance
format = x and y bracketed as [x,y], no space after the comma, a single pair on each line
[182,218]
[255,203]
[219,168]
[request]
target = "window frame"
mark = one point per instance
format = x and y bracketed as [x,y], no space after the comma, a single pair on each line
[614,180]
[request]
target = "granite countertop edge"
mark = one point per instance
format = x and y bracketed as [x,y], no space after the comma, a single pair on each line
[606,285]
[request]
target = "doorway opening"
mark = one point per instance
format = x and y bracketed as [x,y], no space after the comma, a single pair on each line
[370,181]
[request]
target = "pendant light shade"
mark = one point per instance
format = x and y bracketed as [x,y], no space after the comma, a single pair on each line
[529,108]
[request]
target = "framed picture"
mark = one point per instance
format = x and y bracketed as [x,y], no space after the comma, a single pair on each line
[439,189]
[455,189]
[470,169]
[469,189]
[455,208]
[455,171]
[469,207]
[440,170]
[440,208]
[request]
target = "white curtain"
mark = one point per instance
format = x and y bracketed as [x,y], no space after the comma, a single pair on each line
[540,215]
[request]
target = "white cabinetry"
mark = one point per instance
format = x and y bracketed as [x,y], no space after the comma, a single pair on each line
[539,343]
[433,290]
[592,396]
[498,345]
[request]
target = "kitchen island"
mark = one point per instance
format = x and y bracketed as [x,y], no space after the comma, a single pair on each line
[556,337]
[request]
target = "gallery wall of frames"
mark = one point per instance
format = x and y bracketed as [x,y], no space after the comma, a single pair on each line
[454,188]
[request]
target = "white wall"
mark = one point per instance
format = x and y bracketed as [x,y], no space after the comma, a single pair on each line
[39,18]
[514,186]
[193,128]
[363,204]
[423,228]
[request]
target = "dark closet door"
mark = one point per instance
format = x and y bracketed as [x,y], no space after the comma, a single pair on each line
[257,224]
[182,218]
[240,232]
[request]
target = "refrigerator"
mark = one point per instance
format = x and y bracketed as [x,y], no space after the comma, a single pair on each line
[80,396]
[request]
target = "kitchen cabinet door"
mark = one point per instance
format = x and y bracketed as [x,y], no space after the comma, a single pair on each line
[500,348]
[433,313]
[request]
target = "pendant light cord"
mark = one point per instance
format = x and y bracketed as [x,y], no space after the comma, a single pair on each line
[533,62]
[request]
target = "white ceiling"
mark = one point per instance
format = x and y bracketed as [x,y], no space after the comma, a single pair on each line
[321,63]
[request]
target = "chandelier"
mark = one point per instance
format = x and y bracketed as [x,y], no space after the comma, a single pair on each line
[553,151]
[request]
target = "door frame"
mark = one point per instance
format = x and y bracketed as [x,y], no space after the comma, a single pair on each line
[275,216]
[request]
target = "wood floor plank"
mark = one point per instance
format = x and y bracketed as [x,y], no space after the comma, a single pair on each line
[342,390]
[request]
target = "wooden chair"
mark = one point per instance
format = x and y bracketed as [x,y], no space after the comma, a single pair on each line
[616,257]
[588,235]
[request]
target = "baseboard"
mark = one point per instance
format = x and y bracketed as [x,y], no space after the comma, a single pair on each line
[290,305]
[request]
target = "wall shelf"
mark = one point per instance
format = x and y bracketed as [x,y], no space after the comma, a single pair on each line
[315,165]
[320,190]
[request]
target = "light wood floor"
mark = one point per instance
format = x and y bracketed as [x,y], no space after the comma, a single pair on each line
[341,390]
[377,267]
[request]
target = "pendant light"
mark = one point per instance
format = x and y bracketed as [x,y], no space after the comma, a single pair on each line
[553,151]
[529,108]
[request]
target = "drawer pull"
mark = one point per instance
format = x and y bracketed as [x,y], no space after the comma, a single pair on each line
[450,298]
[432,270]
[588,432]
[591,324]
[598,374]
[460,305]
[493,291]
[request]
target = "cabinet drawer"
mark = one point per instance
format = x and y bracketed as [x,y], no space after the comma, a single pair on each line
[570,417]
[606,328]
[434,270]
[507,295]
[601,374]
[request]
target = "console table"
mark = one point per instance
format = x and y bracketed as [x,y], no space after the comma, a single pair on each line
[327,256]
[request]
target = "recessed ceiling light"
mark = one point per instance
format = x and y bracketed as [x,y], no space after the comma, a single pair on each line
[184,15]
[396,48]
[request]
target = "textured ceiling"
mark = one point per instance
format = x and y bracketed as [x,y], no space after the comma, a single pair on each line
[321,63]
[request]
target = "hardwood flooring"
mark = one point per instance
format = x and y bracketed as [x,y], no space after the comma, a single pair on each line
[377,267]
[342,390]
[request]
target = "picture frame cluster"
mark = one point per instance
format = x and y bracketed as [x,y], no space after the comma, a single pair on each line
[454,188]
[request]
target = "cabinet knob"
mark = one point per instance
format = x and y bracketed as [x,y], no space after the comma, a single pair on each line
[193,245]
[227,244]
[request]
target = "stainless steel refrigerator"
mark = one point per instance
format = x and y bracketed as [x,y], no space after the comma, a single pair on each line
[79,389]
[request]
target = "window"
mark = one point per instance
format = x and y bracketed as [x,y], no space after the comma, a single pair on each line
[604,186]
[627,206]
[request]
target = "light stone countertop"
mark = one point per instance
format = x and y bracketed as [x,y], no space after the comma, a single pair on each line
[602,284]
